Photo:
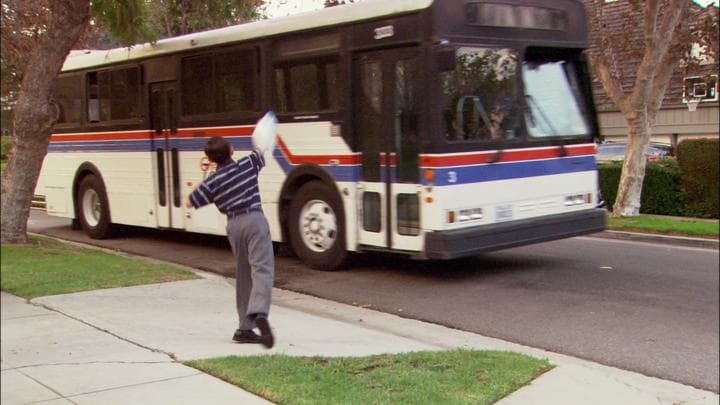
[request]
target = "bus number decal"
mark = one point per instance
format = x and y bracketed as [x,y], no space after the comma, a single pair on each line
[452,177]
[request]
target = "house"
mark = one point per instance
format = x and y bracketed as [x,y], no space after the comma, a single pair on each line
[690,108]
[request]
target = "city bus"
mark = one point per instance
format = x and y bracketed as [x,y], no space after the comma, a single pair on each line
[434,129]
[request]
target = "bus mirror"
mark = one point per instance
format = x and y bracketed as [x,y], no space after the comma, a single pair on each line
[445,59]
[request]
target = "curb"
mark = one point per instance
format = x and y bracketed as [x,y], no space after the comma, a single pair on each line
[662,239]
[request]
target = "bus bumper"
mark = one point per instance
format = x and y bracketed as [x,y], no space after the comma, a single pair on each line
[470,241]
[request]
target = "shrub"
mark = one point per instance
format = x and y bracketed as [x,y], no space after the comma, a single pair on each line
[699,170]
[609,174]
[661,193]
[5,144]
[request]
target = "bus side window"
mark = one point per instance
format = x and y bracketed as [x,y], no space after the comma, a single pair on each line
[197,89]
[306,86]
[113,95]
[236,81]
[93,102]
[68,98]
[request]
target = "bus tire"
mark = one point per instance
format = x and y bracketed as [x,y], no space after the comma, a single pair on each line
[93,208]
[317,227]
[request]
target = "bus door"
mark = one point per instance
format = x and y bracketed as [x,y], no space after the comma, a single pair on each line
[166,159]
[386,114]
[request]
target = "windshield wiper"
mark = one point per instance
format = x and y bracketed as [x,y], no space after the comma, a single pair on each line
[553,132]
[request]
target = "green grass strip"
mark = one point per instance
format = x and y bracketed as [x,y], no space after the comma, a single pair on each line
[50,267]
[450,377]
[666,225]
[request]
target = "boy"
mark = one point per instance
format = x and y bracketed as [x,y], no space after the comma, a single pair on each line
[233,188]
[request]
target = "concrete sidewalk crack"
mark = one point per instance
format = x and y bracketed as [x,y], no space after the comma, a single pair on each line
[25,317]
[85,364]
[54,391]
[124,339]
[134,385]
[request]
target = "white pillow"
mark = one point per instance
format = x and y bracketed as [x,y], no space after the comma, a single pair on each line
[265,134]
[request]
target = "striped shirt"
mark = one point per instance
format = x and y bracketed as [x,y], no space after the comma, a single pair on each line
[233,188]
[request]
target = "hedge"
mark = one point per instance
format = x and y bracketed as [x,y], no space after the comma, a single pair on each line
[700,172]
[5,144]
[661,193]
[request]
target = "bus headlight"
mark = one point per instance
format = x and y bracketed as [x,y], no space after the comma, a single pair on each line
[578,199]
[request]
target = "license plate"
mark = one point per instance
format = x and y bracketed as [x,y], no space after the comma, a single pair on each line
[503,213]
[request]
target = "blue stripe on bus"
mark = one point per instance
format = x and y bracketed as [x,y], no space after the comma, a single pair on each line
[338,172]
[515,170]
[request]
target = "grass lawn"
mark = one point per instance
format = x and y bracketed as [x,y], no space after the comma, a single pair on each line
[456,377]
[666,225]
[49,267]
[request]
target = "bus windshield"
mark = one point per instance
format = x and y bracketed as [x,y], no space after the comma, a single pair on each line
[480,99]
[553,99]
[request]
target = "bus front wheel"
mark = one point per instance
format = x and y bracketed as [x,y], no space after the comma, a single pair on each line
[93,208]
[317,227]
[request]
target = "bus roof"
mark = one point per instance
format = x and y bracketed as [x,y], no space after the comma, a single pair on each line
[365,10]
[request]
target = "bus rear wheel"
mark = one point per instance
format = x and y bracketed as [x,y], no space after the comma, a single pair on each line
[317,227]
[93,208]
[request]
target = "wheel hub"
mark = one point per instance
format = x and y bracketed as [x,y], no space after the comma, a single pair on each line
[318,226]
[91,207]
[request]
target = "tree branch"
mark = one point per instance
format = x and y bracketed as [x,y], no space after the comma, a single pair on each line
[610,83]
[661,82]
[671,17]
[653,55]
[652,8]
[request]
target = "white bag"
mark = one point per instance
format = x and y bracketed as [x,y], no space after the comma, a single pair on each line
[265,134]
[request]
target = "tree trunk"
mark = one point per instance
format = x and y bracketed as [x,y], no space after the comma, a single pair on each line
[627,202]
[35,114]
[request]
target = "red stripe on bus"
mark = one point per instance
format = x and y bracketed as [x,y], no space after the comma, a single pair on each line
[132,136]
[208,132]
[393,159]
[105,136]
[505,156]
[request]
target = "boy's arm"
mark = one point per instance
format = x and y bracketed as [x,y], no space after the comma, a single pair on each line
[258,160]
[188,202]
[200,196]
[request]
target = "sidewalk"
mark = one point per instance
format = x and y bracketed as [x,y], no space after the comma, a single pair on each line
[673,240]
[125,346]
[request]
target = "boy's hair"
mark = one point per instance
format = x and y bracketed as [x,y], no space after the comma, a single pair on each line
[217,149]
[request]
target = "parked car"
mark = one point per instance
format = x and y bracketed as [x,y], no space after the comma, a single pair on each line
[615,151]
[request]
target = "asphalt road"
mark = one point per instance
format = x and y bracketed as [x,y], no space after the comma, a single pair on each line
[642,307]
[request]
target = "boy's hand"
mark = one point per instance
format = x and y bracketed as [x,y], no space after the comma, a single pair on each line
[188,203]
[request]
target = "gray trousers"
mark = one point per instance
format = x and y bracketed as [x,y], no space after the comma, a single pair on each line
[249,237]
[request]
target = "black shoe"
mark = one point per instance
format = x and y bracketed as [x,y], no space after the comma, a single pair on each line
[246,336]
[266,336]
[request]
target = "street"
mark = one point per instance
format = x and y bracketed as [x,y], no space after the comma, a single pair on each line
[641,307]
